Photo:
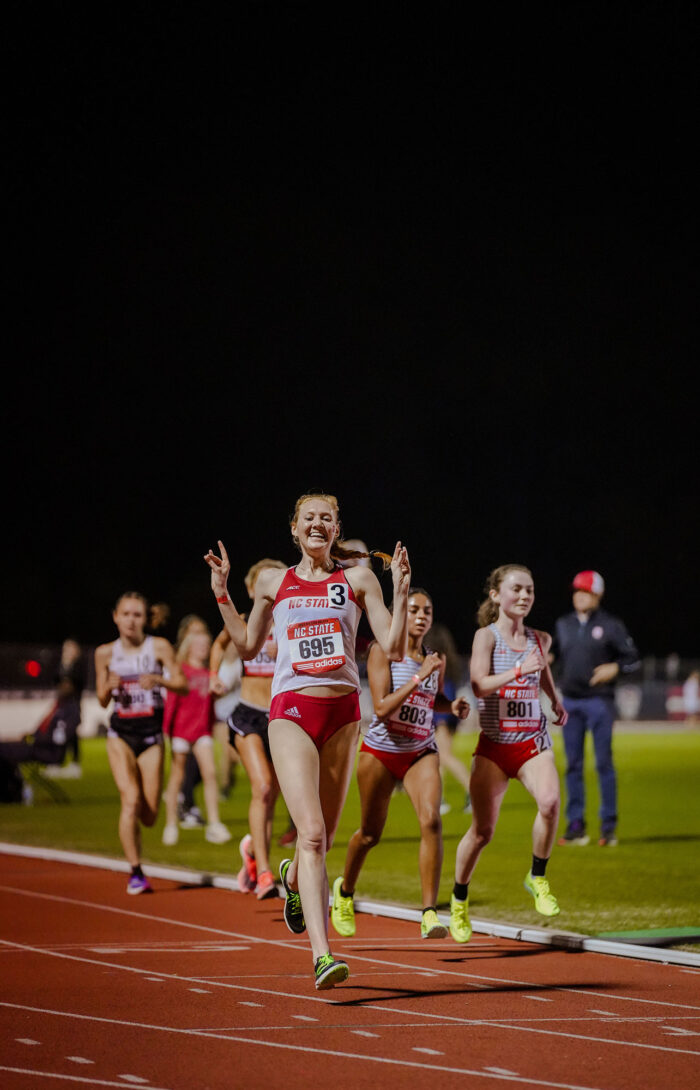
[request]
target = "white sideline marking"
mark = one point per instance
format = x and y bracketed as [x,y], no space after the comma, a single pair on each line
[608,1014]
[79,1060]
[501,1071]
[244,1003]
[291,1048]
[539,998]
[26,1041]
[363,1033]
[489,928]
[71,1078]
[678,1032]
[429,1051]
[305,1018]
[200,991]
[488,981]
[134,1078]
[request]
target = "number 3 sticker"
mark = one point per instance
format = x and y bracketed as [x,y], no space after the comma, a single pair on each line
[336,594]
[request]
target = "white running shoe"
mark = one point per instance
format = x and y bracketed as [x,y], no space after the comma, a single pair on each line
[171,834]
[217,833]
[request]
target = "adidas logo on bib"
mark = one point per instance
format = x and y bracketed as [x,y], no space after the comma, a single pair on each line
[294,712]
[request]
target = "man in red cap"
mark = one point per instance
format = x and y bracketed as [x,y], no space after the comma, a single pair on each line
[591,648]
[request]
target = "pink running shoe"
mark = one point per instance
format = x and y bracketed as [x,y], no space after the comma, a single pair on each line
[247,877]
[266,886]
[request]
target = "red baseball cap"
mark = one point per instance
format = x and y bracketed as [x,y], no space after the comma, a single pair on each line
[592,581]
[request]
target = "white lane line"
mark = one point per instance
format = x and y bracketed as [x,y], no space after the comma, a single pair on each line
[677,1031]
[428,1051]
[79,1060]
[389,1061]
[607,1014]
[246,1003]
[363,1033]
[200,991]
[92,1081]
[491,929]
[384,1009]
[502,1071]
[305,1018]
[539,998]
[155,979]
[484,982]
[134,1078]
[26,1041]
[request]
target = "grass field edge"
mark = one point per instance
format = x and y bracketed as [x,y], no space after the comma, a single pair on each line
[561,939]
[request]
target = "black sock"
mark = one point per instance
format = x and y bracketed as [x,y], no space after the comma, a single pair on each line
[461,890]
[430,908]
[539,866]
[137,871]
[344,892]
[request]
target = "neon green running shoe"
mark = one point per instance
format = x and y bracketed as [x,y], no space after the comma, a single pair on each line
[293,912]
[460,924]
[330,971]
[545,901]
[342,911]
[430,926]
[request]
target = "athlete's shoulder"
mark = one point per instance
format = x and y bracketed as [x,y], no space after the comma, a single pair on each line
[105,649]
[484,637]
[360,579]
[544,638]
[269,581]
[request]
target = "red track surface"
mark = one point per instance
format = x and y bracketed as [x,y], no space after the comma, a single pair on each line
[196,988]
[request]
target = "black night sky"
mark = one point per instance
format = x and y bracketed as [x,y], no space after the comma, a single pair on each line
[442,267]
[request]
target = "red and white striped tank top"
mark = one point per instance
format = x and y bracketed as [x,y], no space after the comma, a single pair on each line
[410,728]
[513,713]
[316,625]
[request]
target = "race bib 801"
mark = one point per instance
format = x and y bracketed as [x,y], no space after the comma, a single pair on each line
[519,708]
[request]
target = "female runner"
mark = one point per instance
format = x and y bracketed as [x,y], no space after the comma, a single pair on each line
[400,747]
[314,715]
[248,726]
[130,671]
[508,670]
[189,721]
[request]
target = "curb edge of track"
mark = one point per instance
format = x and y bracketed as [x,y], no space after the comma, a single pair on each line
[563,940]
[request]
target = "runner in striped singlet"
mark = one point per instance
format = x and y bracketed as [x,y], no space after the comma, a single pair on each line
[129,674]
[508,671]
[315,711]
[400,747]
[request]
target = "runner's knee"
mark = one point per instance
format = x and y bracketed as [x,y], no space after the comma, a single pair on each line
[369,838]
[430,822]
[261,791]
[312,838]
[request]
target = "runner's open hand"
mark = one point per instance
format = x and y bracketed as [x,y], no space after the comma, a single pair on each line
[400,570]
[220,568]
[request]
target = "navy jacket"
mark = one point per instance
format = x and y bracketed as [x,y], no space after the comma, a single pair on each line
[579,648]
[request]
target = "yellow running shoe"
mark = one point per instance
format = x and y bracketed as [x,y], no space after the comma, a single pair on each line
[460,924]
[545,901]
[430,926]
[329,971]
[342,911]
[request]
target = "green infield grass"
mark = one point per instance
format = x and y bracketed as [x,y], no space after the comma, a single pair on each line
[650,880]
